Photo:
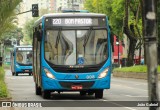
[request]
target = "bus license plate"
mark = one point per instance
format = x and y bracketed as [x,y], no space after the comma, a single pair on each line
[26,70]
[76,87]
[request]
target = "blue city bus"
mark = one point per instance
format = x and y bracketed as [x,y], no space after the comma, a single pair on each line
[21,60]
[72,52]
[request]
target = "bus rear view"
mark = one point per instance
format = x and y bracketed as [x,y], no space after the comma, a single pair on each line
[21,60]
[75,54]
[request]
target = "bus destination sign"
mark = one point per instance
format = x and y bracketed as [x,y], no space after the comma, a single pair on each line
[24,49]
[75,22]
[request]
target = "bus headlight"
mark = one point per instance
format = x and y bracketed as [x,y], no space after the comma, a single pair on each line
[17,66]
[104,73]
[49,74]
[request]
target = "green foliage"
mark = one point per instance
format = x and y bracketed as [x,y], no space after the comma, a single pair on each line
[7,14]
[28,31]
[3,87]
[138,69]
[28,28]
[114,9]
[14,33]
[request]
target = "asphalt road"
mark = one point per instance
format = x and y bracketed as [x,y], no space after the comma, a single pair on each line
[124,94]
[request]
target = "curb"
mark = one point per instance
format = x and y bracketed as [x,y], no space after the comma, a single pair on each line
[132,75]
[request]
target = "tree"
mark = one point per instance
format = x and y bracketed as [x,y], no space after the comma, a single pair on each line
[131,27]
[7,15]
[158,18]
[28,27]
[13,34]
[131,24]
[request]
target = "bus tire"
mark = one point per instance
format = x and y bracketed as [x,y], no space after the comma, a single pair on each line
[16,74]
[30,74]
[46,94]
[38,90]
[83,93]
[13,73]
[99,94]
[90,92]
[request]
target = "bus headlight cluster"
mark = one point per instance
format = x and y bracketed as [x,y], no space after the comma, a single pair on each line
[104,73]
[49,74]
[17,66]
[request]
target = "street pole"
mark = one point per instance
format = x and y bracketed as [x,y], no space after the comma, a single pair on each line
[118,54]
[150,39]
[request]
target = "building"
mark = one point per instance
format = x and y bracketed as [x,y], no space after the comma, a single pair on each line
[118,50]
[69,4]
[61,4]
[123,51]
[26,5]
[52,6]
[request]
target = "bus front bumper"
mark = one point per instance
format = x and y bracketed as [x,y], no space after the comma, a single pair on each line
[66,85]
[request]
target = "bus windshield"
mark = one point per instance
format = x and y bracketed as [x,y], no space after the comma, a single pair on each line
[76,47]
[24,57]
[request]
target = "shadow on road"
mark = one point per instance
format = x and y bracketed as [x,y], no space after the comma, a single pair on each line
[71,96]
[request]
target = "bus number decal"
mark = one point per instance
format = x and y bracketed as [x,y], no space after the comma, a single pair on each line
[56,21]
[90,77]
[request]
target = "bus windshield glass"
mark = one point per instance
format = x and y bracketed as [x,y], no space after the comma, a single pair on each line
[76,47]
[24,56]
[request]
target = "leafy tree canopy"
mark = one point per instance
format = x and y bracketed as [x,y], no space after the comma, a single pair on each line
[7,18]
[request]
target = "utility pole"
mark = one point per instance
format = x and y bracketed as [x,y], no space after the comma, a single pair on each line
[150,39]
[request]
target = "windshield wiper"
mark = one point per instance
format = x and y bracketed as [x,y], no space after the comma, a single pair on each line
[57,39]
[87,36]
[86,39]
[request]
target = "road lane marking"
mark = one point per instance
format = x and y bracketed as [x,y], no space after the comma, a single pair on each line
[135,96]
[121,105]
[130,108]
[129,87]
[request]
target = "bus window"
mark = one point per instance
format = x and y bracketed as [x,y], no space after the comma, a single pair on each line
[19,57]
[76,47]
[29,57]
[24,57]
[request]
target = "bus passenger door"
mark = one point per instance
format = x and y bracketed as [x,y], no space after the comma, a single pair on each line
[36,60]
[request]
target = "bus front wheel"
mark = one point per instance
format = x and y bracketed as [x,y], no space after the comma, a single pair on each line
[38,90]
[16,74]
[46,94]
[13,73]
[30,74]
[83,93]
[99,94]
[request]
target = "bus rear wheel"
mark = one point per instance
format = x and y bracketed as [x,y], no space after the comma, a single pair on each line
[46,94]
[99,94]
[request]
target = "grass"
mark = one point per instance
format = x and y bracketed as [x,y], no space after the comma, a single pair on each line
[137,69]
[3,87]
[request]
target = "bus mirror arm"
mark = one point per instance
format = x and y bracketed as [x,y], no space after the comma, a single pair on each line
[112,41]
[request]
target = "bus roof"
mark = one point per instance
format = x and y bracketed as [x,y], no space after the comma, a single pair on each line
[63,15]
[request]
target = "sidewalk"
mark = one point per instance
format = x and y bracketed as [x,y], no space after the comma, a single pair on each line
[132,75]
